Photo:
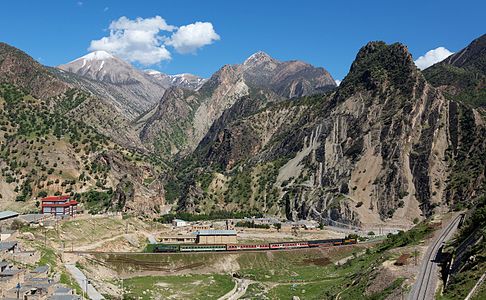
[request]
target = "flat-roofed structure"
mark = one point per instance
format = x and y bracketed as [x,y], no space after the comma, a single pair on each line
[197,227]
[179,223]
[216,236]
[7,214]
[8,246]
[59,206]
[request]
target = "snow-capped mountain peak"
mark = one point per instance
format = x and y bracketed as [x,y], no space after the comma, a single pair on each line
[258,57]
[103,66]
[184,80]
[97,55]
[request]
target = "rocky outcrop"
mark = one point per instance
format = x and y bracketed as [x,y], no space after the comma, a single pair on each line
[131,194]
[373,150]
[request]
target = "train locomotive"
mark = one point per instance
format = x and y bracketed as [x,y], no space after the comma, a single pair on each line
[171,248]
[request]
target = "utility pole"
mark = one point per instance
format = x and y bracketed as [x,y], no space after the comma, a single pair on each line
[415,255]
[87,282]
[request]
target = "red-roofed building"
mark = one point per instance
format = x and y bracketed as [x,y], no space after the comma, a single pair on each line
[59,206]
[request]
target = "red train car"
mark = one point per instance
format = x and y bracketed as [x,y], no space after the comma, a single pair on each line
[239,247]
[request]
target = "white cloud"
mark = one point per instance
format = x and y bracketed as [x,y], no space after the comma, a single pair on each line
[338,82]
[145,40]
[189,38]
[432,57]
[106,8]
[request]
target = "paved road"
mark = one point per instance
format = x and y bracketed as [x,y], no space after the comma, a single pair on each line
[81,280]
[426,282]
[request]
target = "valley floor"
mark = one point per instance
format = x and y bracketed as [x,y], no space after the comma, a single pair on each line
[384,269]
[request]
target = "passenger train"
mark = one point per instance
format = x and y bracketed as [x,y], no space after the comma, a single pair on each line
[164,248]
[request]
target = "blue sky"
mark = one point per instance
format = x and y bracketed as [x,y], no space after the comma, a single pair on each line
[323,33]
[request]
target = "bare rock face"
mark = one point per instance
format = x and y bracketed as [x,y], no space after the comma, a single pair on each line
[288,79]
[130,193]
[183,118]
[374,150]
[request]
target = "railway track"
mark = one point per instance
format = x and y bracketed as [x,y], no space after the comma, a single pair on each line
[424,288]
[199,252]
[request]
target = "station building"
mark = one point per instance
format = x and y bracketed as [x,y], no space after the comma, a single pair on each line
[178,239]
[216,236]
[59,206]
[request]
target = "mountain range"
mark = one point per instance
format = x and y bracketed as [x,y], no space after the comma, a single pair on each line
[391,144]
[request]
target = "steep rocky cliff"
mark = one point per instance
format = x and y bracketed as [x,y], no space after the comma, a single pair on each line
[462,79]
[183,117]
[374,150]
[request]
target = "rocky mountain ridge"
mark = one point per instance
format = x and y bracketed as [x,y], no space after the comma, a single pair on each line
[462,75]
[183,118]
[390,145]
[377,149]
[53,142]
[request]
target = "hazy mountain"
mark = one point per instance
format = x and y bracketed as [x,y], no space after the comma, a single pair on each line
[185,80]
[288,79]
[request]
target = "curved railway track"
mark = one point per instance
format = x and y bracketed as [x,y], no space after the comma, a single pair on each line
[423,288]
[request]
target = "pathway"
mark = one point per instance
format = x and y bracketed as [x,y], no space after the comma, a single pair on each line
[81,280]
